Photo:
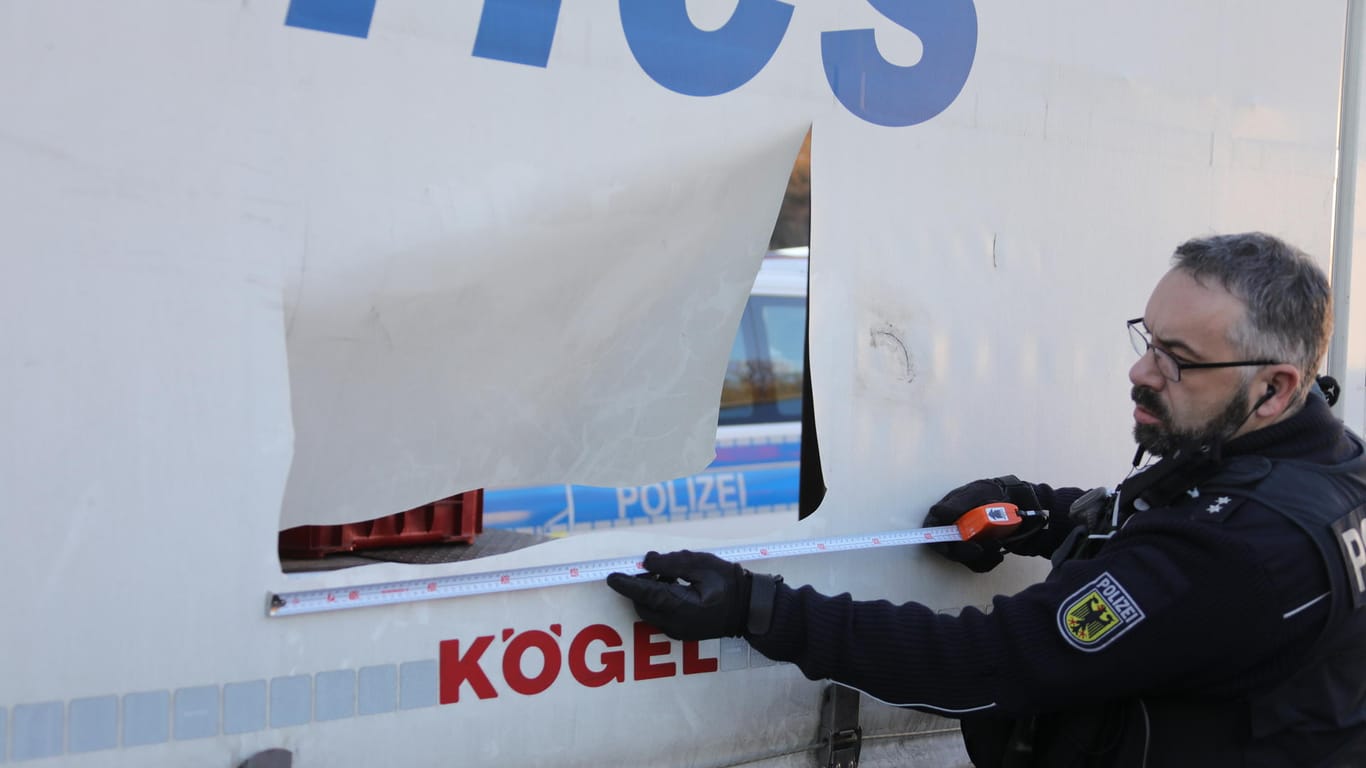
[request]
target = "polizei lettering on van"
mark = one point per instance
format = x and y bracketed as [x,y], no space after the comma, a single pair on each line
[717,492]
[528,662]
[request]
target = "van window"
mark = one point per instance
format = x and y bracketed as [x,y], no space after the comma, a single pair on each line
[764,375]
[737,392]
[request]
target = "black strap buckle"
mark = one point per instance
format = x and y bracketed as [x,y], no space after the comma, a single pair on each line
[841,736]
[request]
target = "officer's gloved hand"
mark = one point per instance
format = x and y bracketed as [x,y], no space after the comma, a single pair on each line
[983,554]
[980,556]
[712,602]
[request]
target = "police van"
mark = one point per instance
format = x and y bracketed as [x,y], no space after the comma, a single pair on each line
[758,434]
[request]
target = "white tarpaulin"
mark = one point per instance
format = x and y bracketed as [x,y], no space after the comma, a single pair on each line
[480,271]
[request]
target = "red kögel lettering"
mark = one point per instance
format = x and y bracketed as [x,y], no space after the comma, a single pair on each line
[693,663]
[647,648]
[607,666]
[613,662]
[456,669]
[550,665]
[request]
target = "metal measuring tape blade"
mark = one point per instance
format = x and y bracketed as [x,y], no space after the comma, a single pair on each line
[985,520]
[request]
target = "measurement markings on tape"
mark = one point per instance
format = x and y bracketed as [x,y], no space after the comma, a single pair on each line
[536,577]
[991,520]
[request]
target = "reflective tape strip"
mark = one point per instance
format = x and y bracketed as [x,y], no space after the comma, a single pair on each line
[538,577]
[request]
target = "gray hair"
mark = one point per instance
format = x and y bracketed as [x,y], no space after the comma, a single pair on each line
[1289,315]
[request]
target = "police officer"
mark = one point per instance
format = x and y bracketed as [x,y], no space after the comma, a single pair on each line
[1208,612]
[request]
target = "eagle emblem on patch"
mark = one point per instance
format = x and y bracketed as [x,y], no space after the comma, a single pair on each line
[1098,613]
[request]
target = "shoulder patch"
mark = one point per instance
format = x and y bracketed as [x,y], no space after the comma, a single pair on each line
[1098,613]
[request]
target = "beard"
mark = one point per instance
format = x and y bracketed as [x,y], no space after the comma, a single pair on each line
[1165,440]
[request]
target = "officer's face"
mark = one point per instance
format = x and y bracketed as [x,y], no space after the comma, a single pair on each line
[1190,322]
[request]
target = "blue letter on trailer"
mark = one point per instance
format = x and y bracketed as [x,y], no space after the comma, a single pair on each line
[681,57]
[519,31]
[342,17]
[886,94]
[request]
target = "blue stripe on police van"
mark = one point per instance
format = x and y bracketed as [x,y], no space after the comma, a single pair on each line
[767,453]
[748,485]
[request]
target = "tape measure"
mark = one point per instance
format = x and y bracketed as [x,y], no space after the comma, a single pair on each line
[989,520]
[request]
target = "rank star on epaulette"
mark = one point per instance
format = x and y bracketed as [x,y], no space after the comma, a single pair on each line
[1218,510]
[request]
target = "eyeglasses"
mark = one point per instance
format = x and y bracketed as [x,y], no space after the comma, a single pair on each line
[1168,365]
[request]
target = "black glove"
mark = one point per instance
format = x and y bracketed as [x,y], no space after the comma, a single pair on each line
[713,603]
[983,554]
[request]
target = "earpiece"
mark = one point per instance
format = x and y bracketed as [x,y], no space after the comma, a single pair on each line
[1270,393]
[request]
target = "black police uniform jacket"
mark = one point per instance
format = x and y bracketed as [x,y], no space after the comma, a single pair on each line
[1224,627]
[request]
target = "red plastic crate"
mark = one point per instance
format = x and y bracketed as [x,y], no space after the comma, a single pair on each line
[458,518]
